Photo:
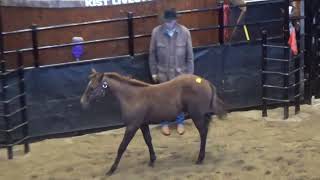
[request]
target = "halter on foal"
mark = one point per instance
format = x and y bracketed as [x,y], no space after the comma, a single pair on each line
[143,104]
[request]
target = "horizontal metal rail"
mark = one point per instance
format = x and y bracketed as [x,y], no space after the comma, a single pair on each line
[78,62]
[67,25]
[281,87]
[142,35]
[284,74]
[14,128]
[15,143]
[257,3]
[205,28]
[199,10]
[275,87]
[254,23]
[277,100]
[70,44]
[296,70]
[261,22]
[14,113]
[276,59]
[12,84]
[9,72]
[275,46]
[145,16]
[13,99]
[276,73]
[281,100]
[297,95]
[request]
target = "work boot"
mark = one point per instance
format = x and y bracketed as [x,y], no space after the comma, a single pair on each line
[165,130]
[180,129]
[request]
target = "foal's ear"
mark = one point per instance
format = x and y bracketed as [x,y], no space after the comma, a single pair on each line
[93,73]
[100,77]
[91,76]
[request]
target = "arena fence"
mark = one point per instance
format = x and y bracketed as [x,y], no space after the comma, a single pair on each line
[23,138]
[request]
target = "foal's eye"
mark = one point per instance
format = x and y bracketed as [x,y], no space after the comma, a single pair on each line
[105,85]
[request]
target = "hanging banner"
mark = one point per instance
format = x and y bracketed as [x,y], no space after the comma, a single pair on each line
[91,3]
[67,3]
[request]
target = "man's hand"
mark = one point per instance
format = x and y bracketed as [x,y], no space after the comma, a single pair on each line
[155,78]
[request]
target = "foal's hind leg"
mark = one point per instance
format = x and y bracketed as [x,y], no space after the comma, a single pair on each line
[201,123]
[147,137]
[130,132]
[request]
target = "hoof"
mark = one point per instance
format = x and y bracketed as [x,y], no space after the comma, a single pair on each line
[151,164]
[110,172]
[199,162]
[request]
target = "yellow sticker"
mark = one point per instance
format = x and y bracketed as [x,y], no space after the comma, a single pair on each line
[199,80]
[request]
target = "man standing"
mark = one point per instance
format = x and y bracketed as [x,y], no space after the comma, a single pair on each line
[170,55]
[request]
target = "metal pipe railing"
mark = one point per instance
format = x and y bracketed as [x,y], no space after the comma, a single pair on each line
[130,24]
[217,8]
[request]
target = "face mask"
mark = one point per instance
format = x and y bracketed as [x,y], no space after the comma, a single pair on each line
[170,24]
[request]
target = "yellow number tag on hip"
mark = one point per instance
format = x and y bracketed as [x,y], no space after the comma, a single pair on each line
[199,80]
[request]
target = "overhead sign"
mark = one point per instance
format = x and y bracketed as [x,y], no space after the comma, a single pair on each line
[67,3]
[92,3]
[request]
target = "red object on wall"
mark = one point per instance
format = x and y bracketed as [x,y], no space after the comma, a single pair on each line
[293,41]
[226,14]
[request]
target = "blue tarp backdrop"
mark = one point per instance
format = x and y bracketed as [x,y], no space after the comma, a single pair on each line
[53,94]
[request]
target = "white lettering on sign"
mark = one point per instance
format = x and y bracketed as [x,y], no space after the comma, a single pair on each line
[89,2]
[93,3]
[116,2]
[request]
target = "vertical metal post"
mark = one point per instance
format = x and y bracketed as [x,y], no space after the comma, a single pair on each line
[300,61]
[130,34]
[286,21]
[3,66]
[302,48]
[286,69]
[4,90]
[22,99]
[316,65]
[308,53]
[221,39]
[317,49]
[287,55]
[297,87]
[263,75]
[221,24]
[35,45]
[6,112]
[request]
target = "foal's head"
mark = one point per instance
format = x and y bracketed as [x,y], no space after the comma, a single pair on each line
[100,82]
[96,88]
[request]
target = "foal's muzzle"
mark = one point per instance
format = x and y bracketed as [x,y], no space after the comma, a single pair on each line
[84,103]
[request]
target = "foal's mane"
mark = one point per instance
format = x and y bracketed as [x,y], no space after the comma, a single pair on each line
[127,80]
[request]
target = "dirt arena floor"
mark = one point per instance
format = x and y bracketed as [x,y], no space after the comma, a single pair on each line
[244,146]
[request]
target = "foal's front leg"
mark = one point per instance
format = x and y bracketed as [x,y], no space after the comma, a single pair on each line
[130,132]
[147,137]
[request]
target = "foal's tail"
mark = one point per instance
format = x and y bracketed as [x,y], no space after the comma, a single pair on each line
[216,104]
